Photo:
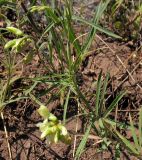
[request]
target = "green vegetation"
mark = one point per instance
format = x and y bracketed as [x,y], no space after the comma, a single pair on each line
[61,54]
[126,18]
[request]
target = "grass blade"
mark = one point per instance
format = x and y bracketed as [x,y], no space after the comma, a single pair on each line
[140,127]
[102,100]
[65,107]
[97,105]
[99,28]
[133,131]
[127,143]
[82,143]
[47,29]
[29,90]
[120,137]
[113,104]
[100,9]
[2,105]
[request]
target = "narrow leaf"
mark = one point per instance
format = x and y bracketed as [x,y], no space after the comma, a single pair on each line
[82,143]
[140,127]
[99,28]
[127,143]
[113,104]
[98,94]
[133,131]
[65,107]
[102,100]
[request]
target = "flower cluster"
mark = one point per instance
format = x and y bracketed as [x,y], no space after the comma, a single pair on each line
[52,129]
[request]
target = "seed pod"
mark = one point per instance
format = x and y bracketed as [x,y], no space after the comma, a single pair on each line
[10,44]
[15,31]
